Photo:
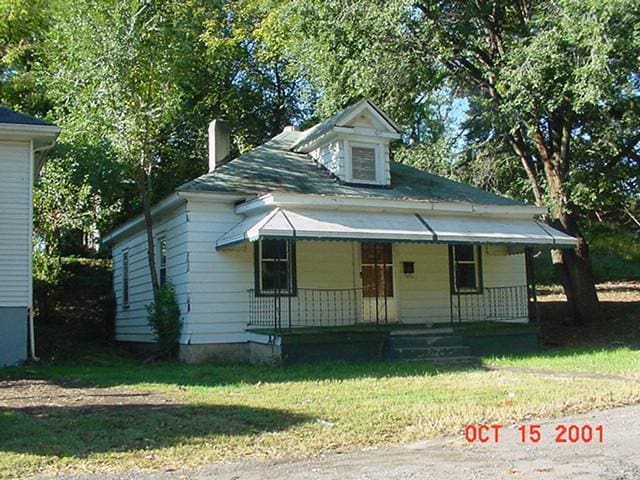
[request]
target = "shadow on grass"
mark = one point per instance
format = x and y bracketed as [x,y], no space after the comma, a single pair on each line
[130,372]
[619,325]
[70,431]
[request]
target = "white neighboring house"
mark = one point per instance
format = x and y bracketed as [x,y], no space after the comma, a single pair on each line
[23,141]
[321,229]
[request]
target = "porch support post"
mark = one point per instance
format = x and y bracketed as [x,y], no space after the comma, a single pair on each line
[532,298]
[377,280]
[384,280]
[293,266]
[277,298]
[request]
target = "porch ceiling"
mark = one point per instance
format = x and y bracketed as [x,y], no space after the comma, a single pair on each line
[307,224]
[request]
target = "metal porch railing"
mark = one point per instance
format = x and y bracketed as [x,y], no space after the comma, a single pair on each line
[314,307]
[496,304]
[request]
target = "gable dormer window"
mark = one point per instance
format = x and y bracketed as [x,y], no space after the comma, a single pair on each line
[363,164]
[353,145]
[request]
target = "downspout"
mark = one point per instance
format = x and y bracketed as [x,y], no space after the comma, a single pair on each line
[32,338]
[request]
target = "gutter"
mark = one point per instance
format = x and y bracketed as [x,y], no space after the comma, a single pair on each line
[35,170]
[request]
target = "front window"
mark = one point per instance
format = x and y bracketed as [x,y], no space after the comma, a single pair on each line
[466,268]
[276,267]
[363,164]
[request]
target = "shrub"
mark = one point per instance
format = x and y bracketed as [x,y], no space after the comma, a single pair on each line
[164,320]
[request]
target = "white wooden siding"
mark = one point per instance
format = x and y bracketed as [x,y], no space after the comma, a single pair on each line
[331,156]
[424,297]
[15,224]
[131,321]
[218,279]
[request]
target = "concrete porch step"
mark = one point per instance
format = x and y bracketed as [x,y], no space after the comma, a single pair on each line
[421,331]
[403,341]
[428,353]
[466,360]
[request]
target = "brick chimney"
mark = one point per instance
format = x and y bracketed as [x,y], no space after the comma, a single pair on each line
[219,143]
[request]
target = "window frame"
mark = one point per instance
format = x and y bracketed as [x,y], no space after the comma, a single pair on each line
[292,288]
[163,261]
[378,156]
[477,262]
[125,278]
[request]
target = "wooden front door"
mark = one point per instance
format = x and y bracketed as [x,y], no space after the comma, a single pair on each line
[376,271]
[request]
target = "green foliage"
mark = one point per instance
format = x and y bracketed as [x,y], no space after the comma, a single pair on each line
[164,320]
[114,69]
[23,24]
[65,200]
[615,256]
[47,269]
[134,85]
[524,68]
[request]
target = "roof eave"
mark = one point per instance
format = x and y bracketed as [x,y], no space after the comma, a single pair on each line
[271,200]
[136,222]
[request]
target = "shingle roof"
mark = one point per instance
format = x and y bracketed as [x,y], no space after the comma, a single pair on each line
[9,116]
[273,167]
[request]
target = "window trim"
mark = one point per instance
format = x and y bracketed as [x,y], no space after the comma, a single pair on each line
[378,161]
[292,291]
[477,254]
[125,278]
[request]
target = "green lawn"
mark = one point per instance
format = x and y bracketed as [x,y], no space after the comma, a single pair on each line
[187,415]
[621,361]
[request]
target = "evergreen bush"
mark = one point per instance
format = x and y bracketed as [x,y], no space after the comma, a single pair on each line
[164,320]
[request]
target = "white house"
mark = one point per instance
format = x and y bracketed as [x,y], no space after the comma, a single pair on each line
[23,140]
[321,231]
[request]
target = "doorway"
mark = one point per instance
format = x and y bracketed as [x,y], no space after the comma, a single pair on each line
[376,272]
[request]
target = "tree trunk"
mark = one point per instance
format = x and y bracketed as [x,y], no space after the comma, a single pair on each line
[148,223]
[573,265]
[574,270]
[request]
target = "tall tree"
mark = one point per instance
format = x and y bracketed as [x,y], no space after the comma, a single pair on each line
[115,69]
[206,61]
[23,24]
[556,82]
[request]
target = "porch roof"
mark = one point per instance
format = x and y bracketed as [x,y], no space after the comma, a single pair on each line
[307,224]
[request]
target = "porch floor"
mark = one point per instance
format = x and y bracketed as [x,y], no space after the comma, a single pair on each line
[470,328]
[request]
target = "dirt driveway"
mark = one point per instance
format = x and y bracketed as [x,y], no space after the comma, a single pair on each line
[616,458]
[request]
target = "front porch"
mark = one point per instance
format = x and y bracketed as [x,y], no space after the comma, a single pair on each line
[320,284]
[461,342]
[347,283]
[397,301]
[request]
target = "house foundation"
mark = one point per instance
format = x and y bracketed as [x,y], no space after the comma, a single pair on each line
[13,332]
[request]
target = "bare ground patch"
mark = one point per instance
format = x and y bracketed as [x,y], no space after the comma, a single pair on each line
[35,396]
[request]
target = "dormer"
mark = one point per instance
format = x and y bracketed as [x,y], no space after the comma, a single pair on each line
[353,144]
